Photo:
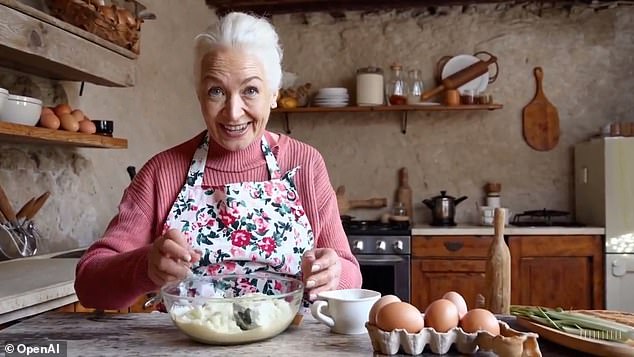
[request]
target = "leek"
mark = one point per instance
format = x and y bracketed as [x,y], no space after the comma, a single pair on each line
[576,323]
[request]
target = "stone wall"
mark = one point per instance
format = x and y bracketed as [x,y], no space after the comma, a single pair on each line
[587,56]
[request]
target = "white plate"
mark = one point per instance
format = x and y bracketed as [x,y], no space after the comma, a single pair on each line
[424,103]
[333,91]
[331,105]
[459,62]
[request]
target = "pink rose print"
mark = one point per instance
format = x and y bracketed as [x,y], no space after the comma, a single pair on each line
[230,267]
[213,269]
[254,257]
[297,211]
[267,245]
[261,224]
[278,285]
[237,252]
[240,238]
[228,216]
[268,188]
[255,193]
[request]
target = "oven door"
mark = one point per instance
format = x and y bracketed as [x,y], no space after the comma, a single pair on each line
[387,274]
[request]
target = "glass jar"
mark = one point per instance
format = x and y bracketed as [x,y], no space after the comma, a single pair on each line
[397,86]
[416,86]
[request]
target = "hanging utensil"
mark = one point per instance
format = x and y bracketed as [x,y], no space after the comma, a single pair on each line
[27,206]
[540,119]
[6,208]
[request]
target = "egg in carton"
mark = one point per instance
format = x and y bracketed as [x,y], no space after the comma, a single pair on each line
[509,343]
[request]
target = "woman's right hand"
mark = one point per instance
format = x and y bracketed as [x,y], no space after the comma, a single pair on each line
[170,258]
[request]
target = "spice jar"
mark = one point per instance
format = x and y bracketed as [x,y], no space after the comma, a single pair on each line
[370,86]
[397,86]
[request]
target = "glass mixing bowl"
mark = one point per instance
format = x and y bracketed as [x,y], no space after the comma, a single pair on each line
[233,309]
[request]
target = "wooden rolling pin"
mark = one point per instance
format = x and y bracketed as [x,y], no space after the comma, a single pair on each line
[498,270]
[345,205]
[461,77]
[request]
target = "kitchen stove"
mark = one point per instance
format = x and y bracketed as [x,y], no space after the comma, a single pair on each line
[544,218]
[383,251]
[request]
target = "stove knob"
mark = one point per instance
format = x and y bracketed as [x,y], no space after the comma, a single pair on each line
[398,246]
[357,246]
[380,246]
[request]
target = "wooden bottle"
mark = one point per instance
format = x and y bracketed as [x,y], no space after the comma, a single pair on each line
[498,270]
[404,192]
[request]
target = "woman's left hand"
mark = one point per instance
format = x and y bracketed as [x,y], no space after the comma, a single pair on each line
[321,269]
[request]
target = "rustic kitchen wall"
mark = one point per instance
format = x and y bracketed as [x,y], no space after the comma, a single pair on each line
[587,57]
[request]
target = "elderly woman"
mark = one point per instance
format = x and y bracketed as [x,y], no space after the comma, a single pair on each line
[234,199]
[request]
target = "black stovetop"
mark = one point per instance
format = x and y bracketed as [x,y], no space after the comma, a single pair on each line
[544,218]
[375,227]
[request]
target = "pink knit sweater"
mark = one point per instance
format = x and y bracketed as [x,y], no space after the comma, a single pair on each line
[113,272]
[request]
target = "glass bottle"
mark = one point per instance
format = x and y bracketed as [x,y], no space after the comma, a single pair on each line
[416,86]
[397,86]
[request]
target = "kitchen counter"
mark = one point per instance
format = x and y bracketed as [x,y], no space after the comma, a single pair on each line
[153,334]
[427,230]
[35,284]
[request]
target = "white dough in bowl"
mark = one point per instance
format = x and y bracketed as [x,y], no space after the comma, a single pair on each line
[216,324]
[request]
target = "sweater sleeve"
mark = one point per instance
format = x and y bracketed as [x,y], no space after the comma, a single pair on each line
[331,234]
[113,272]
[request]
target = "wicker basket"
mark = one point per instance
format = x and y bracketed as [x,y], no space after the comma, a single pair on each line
[112,23]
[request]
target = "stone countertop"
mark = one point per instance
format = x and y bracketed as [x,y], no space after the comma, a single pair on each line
[428,230]
[153,334]
[35,284]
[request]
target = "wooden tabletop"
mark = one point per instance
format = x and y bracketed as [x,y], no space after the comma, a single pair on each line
[153,334]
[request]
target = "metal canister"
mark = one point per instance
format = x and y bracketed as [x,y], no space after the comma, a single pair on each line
[370,86]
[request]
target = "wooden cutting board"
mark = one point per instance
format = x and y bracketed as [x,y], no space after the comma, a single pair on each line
[540,119]
[587,345]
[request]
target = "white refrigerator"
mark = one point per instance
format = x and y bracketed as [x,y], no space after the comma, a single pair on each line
[604,197]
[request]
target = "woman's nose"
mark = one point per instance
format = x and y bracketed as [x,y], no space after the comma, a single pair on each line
[234,107]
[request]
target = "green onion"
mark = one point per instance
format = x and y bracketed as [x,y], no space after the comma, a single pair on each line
[576,323]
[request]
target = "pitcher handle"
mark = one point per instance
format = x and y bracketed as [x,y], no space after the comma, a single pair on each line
[497,66]
[317,311]
[439,66]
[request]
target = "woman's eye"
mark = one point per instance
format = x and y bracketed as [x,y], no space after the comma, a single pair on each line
[251,91]
[215,92]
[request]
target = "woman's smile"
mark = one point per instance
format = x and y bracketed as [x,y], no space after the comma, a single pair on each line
[235,130]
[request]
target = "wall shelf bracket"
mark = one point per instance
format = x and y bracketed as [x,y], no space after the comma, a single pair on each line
[404,122]
[287,124]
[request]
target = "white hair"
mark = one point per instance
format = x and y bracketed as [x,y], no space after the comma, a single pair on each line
[252,34]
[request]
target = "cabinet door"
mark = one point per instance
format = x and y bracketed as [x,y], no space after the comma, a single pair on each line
[433,277]
[557,271]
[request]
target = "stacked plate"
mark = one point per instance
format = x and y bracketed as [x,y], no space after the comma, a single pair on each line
[331,97]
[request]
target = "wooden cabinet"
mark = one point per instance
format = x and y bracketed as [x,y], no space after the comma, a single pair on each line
[445,263]
[557,271]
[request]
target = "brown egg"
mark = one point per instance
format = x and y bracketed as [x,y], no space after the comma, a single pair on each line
[458,300]
[62,109]
[480,319]
[88,127]
[379,304]
[400,315]
[68,122]
[442,315]
[47,110]
[78,115]
[49,120]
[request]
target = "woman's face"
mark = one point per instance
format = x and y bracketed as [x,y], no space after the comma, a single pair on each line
[234,97]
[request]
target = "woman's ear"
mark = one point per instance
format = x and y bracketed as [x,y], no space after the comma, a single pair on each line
[274,100]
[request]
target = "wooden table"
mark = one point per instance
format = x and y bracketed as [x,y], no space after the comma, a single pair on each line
[153,334]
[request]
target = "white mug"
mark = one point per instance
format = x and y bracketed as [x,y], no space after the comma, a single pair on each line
[344,311]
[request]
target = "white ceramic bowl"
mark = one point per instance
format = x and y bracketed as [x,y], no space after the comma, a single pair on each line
[4,96]
[21,110]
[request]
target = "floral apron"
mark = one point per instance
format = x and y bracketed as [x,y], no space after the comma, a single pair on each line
[242,227]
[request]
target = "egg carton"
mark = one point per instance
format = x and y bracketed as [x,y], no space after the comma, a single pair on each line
[510,343]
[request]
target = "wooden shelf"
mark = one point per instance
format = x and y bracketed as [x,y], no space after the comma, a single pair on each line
[403,109]
[34,42]
[10,132]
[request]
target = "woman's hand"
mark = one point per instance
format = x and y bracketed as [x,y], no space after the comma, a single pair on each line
[321,269]
[170,258]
